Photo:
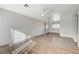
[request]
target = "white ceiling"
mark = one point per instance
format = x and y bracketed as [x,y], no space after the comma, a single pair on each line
[35,10]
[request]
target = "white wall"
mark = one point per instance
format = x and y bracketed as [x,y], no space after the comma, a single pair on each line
[78,29]
[75,27]
[22,23]
[68,26]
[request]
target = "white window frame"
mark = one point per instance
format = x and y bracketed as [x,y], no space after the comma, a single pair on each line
[20,35]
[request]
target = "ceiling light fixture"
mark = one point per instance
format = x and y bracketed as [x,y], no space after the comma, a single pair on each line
[42,15]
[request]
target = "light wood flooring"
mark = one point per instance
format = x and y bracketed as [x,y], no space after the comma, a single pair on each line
[50,43]
[54,44]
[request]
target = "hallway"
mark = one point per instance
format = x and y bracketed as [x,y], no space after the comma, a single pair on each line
[54,44]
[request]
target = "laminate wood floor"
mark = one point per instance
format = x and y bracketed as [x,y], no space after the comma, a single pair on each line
[50,44]
[54,44]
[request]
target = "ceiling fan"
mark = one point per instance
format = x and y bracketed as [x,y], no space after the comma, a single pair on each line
[46,11]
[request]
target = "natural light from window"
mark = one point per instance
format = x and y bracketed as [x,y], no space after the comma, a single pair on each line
[17,36]
[55,25]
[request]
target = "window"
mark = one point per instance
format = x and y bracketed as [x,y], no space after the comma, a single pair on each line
[17,36]
[56,17]
[55,25]
[56,20]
